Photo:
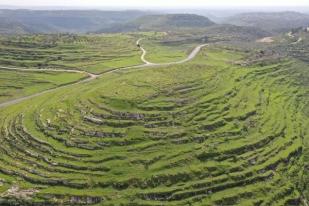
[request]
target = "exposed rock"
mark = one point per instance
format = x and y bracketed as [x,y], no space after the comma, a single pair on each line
[85,200]
[19,193]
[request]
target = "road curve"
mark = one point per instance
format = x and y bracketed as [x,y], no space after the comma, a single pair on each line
[190,57]
[92,76]
[144,52]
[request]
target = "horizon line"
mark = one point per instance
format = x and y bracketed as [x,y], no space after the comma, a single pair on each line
[127,7]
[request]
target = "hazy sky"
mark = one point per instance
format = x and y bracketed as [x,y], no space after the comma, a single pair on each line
[155,3]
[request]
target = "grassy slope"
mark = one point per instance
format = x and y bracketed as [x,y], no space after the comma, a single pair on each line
[204,133]
[93,53]
[168,47]
[15,84]
[159,53]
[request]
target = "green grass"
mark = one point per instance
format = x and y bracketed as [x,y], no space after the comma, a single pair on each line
[15,84]
[92,53]
[162,52]
[208,132]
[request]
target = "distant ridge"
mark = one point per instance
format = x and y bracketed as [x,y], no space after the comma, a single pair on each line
[23,21]
[8,26]
[271,21]
[62,21]
[162,22]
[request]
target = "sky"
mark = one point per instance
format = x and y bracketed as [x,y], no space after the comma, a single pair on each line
[158,3]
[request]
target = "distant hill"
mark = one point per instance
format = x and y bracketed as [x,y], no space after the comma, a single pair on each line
[232,32]
[163,22]
[75,21]
[12,27]
[172,21]
[270,21]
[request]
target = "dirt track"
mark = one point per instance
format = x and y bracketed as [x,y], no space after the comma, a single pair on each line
[92,76]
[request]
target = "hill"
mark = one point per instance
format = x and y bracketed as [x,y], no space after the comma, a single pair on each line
[226,32]
[69,51]
[10,27]
[172,20]
[205,132]
[270,21]
[161,23]
[75,21]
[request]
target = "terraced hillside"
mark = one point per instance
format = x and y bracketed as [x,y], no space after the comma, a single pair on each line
[96,54]
[91,53]
[296,44]
[205,132]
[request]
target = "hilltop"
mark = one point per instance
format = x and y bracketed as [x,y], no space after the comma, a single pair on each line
[10,27]
[53,21]
[270,21]
[162,23]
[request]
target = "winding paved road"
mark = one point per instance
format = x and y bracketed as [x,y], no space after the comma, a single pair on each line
[92,76]
[190,57]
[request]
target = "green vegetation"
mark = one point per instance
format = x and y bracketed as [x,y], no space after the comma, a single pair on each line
[24,21]
[92,53]
[162,22]
[15,84]
[172,21]
[275,22]
[164,50]
[218,130]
